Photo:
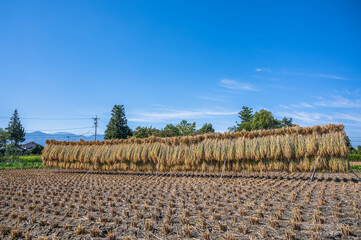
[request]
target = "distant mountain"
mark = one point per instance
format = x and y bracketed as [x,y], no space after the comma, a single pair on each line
[41,137]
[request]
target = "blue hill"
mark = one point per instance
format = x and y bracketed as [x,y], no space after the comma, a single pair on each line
[41,137]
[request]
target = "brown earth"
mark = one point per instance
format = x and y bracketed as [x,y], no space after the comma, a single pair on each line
[274,205]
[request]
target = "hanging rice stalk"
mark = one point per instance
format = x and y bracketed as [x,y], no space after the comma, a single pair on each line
[286,149]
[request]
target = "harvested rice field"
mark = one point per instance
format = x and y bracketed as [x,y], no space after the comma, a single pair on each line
[48,204]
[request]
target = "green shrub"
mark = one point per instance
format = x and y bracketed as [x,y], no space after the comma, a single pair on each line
[354,157]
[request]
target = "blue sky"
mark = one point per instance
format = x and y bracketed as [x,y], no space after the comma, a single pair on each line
[63,62]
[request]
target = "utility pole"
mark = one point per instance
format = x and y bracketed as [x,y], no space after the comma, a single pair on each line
[96,126]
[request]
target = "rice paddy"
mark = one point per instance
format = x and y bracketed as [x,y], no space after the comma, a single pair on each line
[70,204]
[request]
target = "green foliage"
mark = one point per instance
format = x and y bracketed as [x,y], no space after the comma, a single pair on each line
[354,157]
[356,168]
[286,122]
[3,138]
[260,120]
[206,128]
[264,120]
[23,162]
[246,117]
[118,124]
[170,131]
[16,132]
[353,150]
[2,152]
[13,150]
[31,158]
[186,128]
[246,114]
[143,132]
[37,149]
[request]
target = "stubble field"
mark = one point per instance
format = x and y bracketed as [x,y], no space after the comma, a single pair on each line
[276,205]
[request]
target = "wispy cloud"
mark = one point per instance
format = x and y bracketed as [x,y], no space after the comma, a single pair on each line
[304,74]
[317,75]
[300,105]
[321,118]
[335,101]
[178,115]
[263,69]
[235,85]
[304,117]
[140,120]
[209,98]
[303,105]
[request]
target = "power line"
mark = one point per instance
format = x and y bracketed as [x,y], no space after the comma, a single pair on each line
[57,119]
[62,129]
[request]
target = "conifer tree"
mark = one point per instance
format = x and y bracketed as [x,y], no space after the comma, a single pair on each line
[16,132]
[117,127]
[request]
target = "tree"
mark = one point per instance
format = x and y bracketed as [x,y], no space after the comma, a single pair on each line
[286,122]
[186,128]
[246,117]
[246,114]
[117,127]
[168,131]
[264,120]
[38,149]
[15,130]
[143,132]
[3,138]
[260,120]
[13,150]
[206,128]
[171,131]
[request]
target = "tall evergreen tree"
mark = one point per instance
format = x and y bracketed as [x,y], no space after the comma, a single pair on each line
[246,116]
[117,127]
[16,132]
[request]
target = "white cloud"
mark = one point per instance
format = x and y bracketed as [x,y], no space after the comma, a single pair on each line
[305,117]
[263,69]
[317,75]
[330,76]
[209,98]
[306,105]
[322,118]
[300,105]
[235,85]
[139,120]
[339,102]
[285,106]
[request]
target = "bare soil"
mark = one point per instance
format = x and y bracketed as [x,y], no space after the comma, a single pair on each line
[275,205]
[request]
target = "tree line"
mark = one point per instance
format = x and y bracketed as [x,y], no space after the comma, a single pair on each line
[118,126]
